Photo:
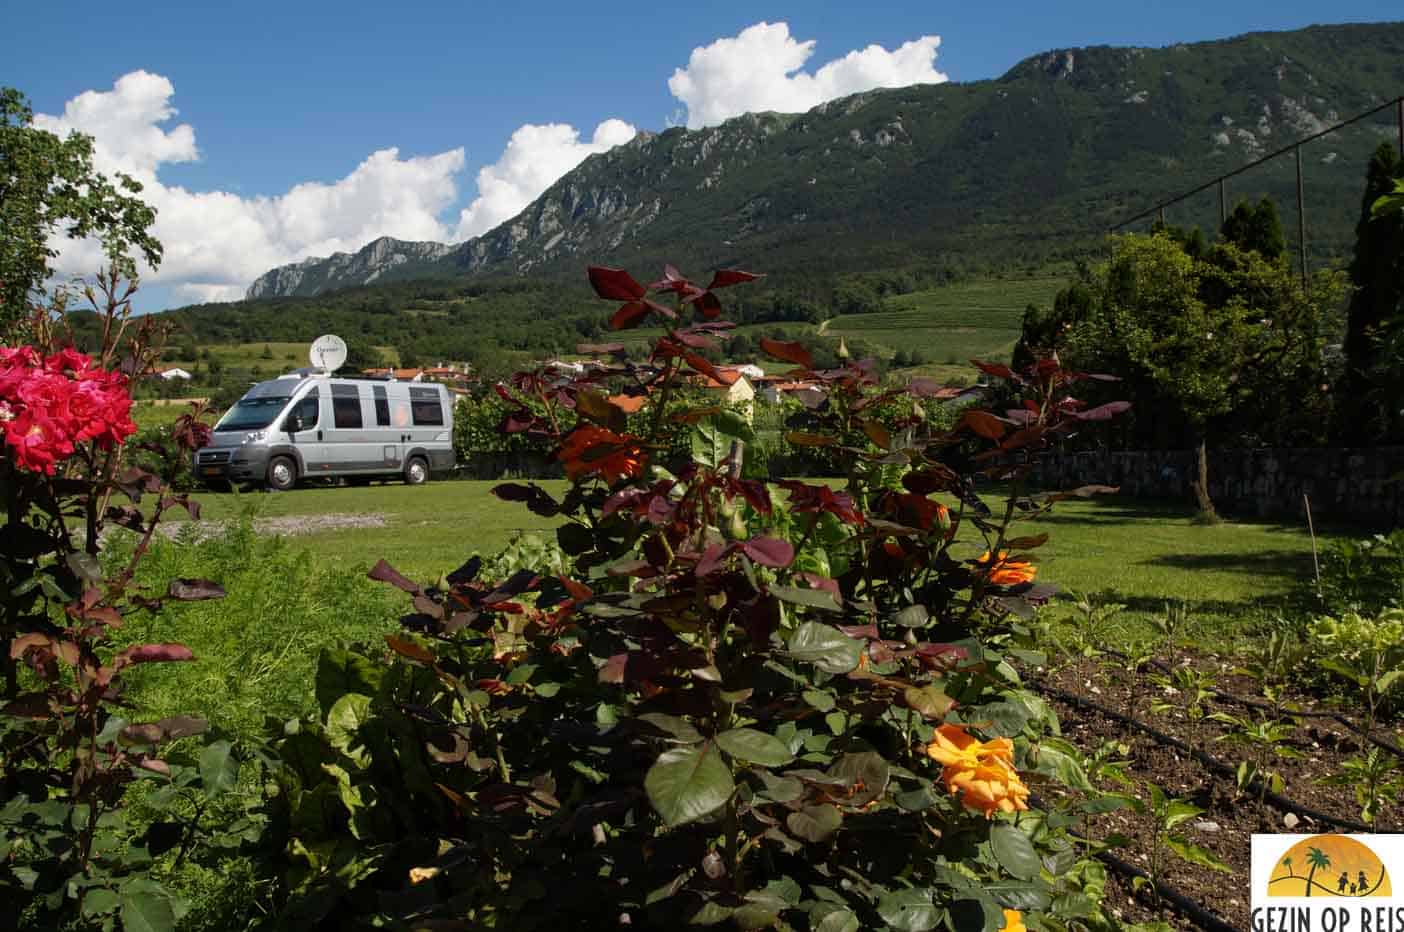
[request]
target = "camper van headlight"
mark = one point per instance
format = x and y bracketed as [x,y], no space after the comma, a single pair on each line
[254,436]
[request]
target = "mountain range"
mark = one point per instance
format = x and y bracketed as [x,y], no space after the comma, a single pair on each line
[1026,169]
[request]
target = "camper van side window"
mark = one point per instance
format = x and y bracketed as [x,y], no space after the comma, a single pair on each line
[428,412]
[382,407]
[307,410]
[346,406]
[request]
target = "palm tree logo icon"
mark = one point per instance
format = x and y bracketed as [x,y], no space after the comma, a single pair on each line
[1361,872]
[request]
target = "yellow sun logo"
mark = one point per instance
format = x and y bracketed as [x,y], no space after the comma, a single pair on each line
[1329,865]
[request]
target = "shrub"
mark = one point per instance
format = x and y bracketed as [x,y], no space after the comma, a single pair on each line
[73,856]
[731,708]
[1365,575]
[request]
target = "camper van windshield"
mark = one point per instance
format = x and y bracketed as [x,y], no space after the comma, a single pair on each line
[252,413]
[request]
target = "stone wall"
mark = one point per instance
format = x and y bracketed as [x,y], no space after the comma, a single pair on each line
[1363,486]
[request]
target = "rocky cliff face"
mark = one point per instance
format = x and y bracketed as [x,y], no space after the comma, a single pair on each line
[1035,164]
[342,269]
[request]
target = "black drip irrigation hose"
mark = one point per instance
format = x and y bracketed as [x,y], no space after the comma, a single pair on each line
[1191,909]
[1208,760]
[1264,707]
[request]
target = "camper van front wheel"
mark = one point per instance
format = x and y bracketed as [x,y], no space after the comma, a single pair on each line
[282,474]
[416,472]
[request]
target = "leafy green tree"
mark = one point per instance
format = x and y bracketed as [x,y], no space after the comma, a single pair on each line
[48,185]
[1255,227]
[1369,397]
[1206,344]
[361,356]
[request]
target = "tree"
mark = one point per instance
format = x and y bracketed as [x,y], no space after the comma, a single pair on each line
[1256,228]
[48,186]
[1203,344]
[1368,400]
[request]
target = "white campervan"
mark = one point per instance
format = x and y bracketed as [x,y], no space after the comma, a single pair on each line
[307,425]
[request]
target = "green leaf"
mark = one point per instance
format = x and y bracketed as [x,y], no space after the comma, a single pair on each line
[827,648]
[822,701]
[1013,894]
[810,598]
[909,910]
[870,769]
[929,701]
[815,823]
[1193,854]
[1383,684]
[755,746]
[146,908]
[344,722]
[913,616]
[340,672]
[678,728]
[1014,852]
[1064,767]
[831,917]
[1178,811]
[780,789]
[685,784]
[99,900]
[710,914]
[733,424]
[219,770]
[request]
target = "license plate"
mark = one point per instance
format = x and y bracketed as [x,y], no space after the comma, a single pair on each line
[212,470]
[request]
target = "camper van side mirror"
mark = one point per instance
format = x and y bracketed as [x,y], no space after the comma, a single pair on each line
[292,423]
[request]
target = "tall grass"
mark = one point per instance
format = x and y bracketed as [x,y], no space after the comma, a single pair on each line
[256,649]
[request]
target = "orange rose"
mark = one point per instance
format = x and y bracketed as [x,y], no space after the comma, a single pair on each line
[590,449]
[1013,921]
[981,773]
[1004,571]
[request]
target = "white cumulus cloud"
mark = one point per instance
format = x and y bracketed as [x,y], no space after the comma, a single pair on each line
[760,69]
[535,157]
[216,242]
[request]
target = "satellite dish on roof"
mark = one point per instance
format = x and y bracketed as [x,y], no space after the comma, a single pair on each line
[328,352]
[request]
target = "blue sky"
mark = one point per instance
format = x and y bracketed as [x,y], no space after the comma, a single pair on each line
[274,96]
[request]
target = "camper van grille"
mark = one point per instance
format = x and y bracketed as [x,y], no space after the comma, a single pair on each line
[214,456]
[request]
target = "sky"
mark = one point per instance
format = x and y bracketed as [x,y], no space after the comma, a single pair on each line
[267,133]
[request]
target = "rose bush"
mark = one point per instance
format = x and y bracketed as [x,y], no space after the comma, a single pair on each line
[790,706]
[69,854]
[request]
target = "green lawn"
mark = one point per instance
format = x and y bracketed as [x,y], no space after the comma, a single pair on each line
[429,529]
[1116,548]
[290,597]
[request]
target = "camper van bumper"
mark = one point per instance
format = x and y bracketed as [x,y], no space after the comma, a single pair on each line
[231,464]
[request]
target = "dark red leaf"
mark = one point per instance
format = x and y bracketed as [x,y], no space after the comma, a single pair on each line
[409,649]
[615,284]
[769,551]
[708,304]
[723,278]
[712,559]
[983,423]
[628,316]
[702,365]
[384,572]
[790,352]
[998,370]
[663,309]
[1103,412]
